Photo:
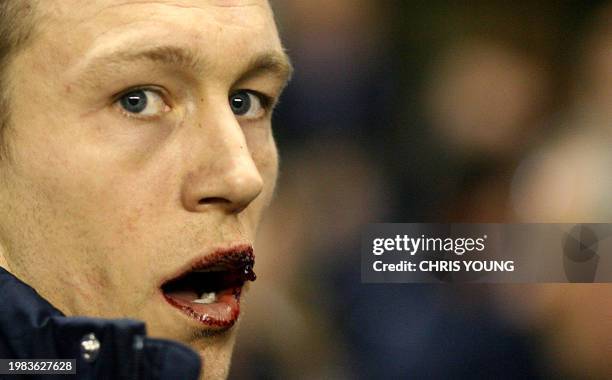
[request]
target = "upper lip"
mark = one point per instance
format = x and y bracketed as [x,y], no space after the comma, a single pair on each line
[239,257]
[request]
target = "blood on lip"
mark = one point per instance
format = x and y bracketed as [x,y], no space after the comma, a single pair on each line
[234,259]
[213,319]
[238,264]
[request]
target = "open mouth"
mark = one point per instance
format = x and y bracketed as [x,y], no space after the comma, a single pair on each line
[209,291]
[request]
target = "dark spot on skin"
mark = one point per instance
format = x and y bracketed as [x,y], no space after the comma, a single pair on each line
[68,88]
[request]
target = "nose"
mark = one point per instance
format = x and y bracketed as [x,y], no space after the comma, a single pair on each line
[224,174]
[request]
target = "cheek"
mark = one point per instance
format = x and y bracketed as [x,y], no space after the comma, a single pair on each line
[263,151]
[270,166]
[267,163]
[265,156]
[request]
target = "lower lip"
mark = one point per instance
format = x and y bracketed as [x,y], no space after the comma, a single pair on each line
[221,314]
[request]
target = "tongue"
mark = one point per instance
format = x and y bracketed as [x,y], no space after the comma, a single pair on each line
[222,313]
[183,295]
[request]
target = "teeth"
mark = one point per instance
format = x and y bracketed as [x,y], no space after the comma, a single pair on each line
[206,298]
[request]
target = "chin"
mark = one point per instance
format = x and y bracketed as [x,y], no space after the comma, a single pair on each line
[216,354]
[214,346]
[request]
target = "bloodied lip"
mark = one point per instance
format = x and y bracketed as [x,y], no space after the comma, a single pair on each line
[209,291]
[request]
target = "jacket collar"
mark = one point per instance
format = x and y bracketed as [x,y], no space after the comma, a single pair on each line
[30,327]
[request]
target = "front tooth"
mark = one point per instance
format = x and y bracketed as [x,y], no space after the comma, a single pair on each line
[206,298]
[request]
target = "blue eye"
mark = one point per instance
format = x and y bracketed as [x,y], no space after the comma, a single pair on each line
[135,101]
[248,104]
[142,103]
[240,103]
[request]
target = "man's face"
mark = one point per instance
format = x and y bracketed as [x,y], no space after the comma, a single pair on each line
[141,145]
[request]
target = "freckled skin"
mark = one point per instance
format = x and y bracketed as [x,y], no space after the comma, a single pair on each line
[97,207]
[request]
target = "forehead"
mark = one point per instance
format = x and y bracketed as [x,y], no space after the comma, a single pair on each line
[242,12]
[233,26]
[78,8]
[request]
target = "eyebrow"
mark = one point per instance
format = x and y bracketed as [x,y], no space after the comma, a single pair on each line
[274,62]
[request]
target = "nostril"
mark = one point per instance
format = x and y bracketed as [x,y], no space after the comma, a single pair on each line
[212,200]
[223,202]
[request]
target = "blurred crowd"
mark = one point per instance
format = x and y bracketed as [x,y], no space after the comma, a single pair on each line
[435,112]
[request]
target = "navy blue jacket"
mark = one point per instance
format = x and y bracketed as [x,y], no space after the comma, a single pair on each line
[30,327]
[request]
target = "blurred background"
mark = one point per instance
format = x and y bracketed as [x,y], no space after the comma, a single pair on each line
[438,111]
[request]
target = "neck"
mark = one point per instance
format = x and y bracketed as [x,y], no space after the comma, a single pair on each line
[3,262]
